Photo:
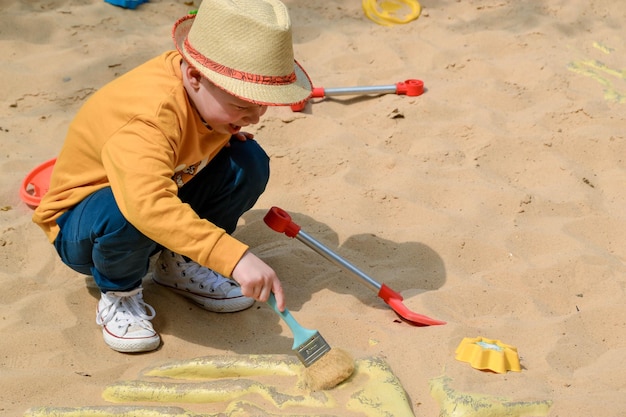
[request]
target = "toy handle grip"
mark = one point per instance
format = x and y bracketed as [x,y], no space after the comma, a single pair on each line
[410,88]
[318,92]
[280,221]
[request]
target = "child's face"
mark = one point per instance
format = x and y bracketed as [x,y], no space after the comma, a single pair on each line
[224,112]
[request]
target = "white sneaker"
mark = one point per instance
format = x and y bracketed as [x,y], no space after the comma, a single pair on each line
[125,325]
[212,291]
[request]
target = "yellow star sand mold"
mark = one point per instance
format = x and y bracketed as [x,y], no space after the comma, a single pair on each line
[488,354]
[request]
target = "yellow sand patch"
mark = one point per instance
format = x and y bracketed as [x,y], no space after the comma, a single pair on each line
[609,78]
[462,404]
[260,385]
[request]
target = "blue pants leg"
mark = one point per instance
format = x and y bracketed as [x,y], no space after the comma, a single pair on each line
[95,238]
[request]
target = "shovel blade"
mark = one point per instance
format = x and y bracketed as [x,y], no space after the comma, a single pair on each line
[394,300]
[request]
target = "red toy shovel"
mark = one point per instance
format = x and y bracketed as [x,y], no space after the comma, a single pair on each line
[280,221]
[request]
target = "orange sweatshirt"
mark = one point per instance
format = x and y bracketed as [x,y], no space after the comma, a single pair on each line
[141,136]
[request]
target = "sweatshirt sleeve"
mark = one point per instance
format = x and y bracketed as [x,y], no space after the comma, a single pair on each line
[138,160]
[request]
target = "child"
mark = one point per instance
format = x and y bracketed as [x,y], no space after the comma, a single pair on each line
[156,161]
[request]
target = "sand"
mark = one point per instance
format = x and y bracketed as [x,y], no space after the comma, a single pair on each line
[494,201]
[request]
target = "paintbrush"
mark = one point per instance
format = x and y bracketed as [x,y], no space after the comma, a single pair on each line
[325,367]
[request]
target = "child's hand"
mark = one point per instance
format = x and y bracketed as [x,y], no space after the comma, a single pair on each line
[243,136]
[257,280]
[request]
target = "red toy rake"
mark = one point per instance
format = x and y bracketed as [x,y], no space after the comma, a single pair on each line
[280,221]
[409,87]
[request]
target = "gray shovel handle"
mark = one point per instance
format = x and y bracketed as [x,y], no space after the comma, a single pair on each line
[337,260]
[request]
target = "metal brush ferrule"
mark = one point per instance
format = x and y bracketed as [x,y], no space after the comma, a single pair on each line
[313,349]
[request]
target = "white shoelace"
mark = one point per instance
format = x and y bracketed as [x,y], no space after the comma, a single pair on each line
[128,309]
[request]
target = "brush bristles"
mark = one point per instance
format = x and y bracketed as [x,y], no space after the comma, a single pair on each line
[328,371]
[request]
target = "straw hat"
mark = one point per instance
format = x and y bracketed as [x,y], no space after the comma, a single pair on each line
[244,47]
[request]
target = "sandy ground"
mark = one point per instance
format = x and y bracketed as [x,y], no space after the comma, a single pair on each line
[494,201]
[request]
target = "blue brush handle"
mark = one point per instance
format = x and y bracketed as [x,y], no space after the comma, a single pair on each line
[300,334]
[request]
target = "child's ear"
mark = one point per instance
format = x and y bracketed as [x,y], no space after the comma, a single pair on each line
[194,76]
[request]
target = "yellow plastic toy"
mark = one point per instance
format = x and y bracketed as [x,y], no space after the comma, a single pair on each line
[390,12]
[488,354]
